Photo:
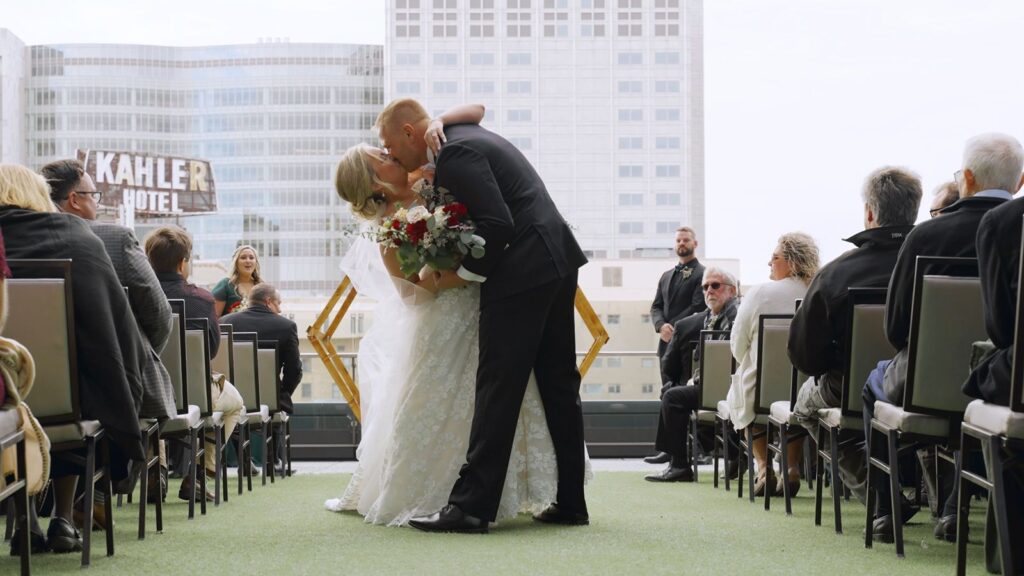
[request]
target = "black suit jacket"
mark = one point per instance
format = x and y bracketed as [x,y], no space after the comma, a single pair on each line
[109,345]
[198,304]
[952,234]
[528,243]
[999,262]
[671,306]
[270,326]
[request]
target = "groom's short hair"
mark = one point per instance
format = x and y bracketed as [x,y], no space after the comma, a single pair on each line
[403,111]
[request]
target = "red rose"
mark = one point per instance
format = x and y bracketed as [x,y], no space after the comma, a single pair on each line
[415,231]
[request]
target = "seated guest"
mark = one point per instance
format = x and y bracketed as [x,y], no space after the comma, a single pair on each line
[74,192]
[817,337]
[983,186]
[263,316]
[109,346]
[794,263]
[945,195]
[999,262]
[681,397]
[169,250]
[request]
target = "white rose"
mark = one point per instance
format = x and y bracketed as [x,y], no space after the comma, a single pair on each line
[417,213]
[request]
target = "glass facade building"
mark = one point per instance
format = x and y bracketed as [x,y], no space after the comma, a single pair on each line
[605,98]
[272,118]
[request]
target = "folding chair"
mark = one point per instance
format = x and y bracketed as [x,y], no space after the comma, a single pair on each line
[946,317]
[866,346]
[715,369]
[41,317]
[224,363]
[199,381]
[270,385]
[15,491]
[257,415]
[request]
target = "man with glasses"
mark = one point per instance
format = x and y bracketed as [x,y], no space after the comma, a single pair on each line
[681,392]
[944,196]
[263,316]
[818,333]
[74,192]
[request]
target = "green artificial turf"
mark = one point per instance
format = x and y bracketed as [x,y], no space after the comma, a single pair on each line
[637,528]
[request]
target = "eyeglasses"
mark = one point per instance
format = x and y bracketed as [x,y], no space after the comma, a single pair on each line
[713,286]
[96,194]
[958,176]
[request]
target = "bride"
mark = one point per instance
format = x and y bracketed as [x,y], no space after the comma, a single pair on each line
[417,369]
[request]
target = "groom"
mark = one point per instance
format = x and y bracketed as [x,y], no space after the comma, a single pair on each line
[527,290]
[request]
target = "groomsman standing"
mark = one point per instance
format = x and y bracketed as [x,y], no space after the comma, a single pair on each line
[679,293]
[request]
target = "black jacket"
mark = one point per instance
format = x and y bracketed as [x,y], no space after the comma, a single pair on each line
[952,234]
[110,347]
[198,304]
[528,243]
[817,335]
[676,363]
[999,263]
[671,306]
[271,326]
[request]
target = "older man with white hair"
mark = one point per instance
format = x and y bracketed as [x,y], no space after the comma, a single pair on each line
[678,401]
[991,172]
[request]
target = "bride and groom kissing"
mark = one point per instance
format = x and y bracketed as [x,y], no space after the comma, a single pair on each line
[470,397]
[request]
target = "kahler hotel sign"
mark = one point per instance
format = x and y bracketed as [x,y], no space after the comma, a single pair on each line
[148,185]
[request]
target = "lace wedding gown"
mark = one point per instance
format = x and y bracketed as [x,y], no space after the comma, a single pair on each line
[417,379]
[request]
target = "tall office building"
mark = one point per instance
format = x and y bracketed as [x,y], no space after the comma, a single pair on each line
[605,98]
[271,117]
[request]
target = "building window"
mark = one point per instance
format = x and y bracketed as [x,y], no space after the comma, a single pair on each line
[598,362]
[518,18]
[666,17]
[614,389]
[520,59]
[667,142]
[481,87]
[521,142]
[592,388]
[631,87]
[592,18]
[446,59]
[629,18]
[356,323]
[631,171]
[481,19]
[645,318]
[667,199]
[667,115]
[631,58]
[631,143]
[647,389]
[666,86]
[519,87]
[667,227]
[520,115]
[667,58]
[631,115]
[631,199]
[556,18]
[611,276]
[613,319]
[446,87]
[407,87]
[631,227]
[614,362]
[407,59]
[481,59]
[667,171]
[307,390]
[647,363]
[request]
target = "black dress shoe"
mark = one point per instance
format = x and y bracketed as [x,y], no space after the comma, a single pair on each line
[36,543]
[63,537]
[671,474]
[659,458]
[945,528]
[450,519]
[555,515]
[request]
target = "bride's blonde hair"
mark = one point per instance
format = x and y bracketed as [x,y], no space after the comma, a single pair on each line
[354,180]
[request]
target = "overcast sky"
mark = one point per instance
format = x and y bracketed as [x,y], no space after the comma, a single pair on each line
[803,98]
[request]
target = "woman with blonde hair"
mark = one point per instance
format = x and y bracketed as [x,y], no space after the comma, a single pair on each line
[417,372]
[231,294]
[108,343]
[793,264]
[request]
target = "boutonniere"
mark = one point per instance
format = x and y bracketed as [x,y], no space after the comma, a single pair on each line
[687,272]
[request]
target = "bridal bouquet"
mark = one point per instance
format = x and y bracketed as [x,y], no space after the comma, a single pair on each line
[438,233]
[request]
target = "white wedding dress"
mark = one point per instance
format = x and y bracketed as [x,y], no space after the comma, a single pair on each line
[417,369]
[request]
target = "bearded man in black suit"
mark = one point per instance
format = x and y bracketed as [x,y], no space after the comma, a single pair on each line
[679,292]
[527,280]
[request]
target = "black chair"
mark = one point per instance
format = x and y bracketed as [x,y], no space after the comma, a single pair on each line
[15,491]
[224,363]
[866,346]
[41,317]
[270,387]
[946,318]
[199,382]
[257,415]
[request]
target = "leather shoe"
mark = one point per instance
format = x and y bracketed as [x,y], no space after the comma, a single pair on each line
[945,528]
[672,474]
[63,537]
[659,458]
[36,542]
[99,516]
[555,515]
[183,492]
[451,518]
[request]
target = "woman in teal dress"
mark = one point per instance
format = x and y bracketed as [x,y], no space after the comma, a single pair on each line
[231,294]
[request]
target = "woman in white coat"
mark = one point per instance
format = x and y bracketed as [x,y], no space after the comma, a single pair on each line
[794,263]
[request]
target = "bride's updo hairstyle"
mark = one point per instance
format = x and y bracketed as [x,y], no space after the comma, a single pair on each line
[354,180]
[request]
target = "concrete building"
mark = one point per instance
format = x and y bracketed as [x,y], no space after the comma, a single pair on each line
[605,98]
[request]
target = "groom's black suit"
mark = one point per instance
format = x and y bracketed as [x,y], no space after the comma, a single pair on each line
[527,320]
